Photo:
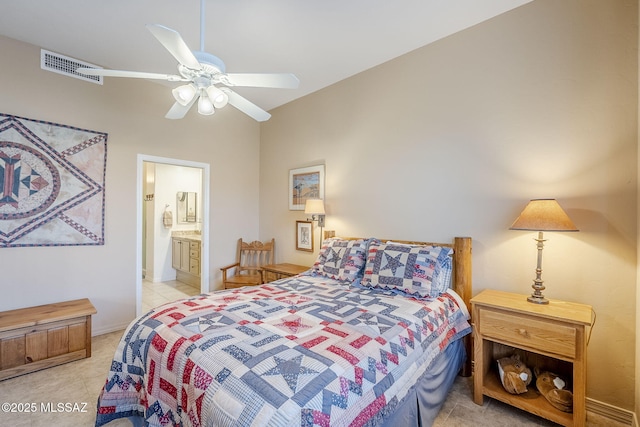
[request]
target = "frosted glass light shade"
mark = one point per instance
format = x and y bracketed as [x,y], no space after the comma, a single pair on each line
[184,94]
[218,97]
[205,106]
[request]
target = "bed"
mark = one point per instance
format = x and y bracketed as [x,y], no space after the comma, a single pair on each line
[372,335]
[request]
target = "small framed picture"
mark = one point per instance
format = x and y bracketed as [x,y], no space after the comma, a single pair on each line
[305,183]
[304,236]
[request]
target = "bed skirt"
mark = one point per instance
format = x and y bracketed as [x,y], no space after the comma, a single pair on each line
[423,403]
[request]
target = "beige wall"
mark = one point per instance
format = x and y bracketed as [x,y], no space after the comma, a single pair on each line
[454,139]
[132,113]
[637,358]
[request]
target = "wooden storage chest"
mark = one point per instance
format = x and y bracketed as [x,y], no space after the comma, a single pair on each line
[40,337]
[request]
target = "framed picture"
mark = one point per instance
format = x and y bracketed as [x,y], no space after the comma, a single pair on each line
[304,236]
[305,183]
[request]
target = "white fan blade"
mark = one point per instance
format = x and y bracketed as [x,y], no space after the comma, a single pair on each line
[178,111]
[172,41]
[132,74]
[247,107]
[282,80]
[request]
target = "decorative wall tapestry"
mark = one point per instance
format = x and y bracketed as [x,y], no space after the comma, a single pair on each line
[51,184]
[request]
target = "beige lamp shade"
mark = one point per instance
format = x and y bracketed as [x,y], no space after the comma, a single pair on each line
[543,215]
[314,207]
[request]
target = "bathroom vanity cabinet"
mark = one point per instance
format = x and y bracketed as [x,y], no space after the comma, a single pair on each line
[185,258]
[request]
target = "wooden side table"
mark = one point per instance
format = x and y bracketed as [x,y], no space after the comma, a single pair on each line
[272,272]
[551,337]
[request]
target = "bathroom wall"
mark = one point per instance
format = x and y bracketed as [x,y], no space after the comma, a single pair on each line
[169,179]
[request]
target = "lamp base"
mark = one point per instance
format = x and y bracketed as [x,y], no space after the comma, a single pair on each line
[538,284]
[537,299]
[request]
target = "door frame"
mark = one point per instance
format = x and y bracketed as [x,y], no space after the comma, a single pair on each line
[204,259]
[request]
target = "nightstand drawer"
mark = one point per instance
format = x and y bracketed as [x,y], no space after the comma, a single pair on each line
[547,336]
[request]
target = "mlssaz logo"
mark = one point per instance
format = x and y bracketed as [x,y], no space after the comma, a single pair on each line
[66,407]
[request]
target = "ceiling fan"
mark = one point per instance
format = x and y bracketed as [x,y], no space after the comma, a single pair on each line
[204,76]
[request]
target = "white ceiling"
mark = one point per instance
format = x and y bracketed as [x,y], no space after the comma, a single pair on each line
[322,42]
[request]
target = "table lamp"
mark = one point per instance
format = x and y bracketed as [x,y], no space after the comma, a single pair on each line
[542,215]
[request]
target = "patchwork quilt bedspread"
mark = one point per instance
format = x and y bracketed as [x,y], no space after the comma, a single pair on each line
[303,351]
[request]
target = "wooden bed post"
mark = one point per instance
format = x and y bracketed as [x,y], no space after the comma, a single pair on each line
[462,284]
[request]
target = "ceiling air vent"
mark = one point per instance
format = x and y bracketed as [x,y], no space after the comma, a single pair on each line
[61,64]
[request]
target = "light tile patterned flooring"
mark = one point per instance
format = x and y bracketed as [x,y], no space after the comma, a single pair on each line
[79,383]
[155,294]
[460,411]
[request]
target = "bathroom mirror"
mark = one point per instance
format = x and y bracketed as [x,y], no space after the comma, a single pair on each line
[187,206]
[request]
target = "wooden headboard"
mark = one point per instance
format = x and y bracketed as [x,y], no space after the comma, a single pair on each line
[461,280]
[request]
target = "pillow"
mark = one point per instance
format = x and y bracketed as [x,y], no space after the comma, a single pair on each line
[341,259]
[417,270]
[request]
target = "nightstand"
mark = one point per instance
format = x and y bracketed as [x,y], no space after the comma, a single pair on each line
[552,337]
[272,272]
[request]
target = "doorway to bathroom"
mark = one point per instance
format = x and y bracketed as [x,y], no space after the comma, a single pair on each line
[172,199]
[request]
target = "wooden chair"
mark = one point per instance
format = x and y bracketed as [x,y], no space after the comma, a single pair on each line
[250,257]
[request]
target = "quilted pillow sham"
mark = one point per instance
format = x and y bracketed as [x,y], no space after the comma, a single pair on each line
[423,271]
[341,259]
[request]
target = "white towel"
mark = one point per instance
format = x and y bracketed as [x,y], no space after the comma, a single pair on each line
[167,219]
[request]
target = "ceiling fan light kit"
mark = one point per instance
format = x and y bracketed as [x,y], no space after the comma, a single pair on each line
[202,72]
[219,98]
[205,106]
[184,94]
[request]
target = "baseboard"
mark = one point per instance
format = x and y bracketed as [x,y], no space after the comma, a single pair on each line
[612,412]
[109,329]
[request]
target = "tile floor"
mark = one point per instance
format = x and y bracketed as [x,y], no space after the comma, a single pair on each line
[154,294]
[79,383]
[460,411]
